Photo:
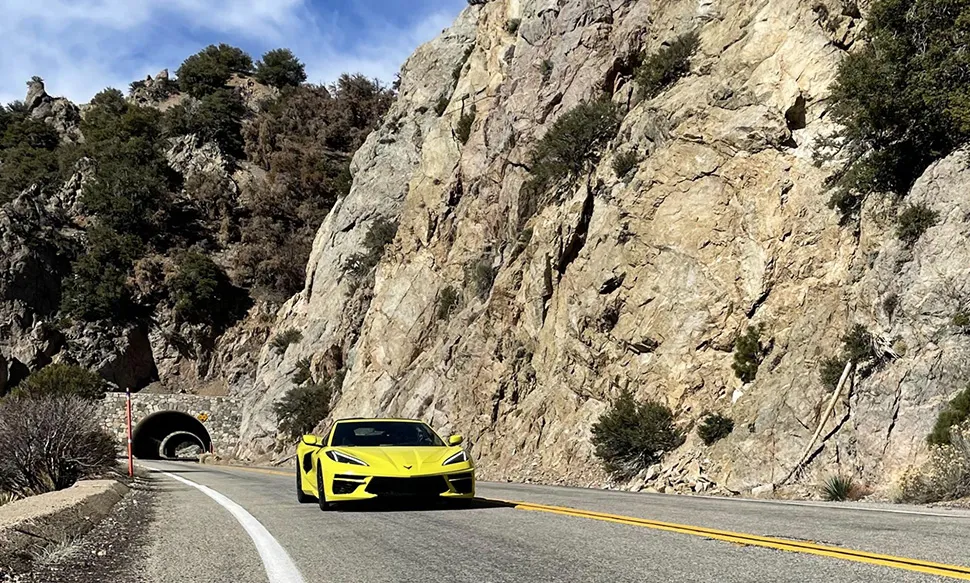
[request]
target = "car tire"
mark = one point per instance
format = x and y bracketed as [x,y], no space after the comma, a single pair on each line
[301,496]
[322,498]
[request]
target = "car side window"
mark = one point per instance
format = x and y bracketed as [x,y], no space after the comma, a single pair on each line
[308,462]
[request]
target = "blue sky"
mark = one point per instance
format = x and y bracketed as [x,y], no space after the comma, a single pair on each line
[81,46]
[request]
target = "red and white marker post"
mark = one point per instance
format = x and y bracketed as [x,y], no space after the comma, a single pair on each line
[131,459]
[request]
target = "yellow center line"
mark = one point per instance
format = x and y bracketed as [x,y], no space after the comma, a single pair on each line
[780,544]
[952,571]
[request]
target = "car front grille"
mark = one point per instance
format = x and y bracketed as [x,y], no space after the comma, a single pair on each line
[462,483]
[424,486]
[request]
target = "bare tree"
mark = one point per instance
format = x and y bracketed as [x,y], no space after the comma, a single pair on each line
[49,443]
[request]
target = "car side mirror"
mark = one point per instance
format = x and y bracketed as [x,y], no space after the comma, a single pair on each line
[312,440]
[455,440]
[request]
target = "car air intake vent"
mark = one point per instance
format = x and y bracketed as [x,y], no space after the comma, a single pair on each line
[462,483]
[427,486]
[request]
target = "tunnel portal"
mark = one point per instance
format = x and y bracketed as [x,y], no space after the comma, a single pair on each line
[169,435]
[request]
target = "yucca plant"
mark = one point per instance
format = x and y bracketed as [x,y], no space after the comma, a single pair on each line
[838,488]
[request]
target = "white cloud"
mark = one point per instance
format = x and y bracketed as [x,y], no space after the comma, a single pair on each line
[82,46]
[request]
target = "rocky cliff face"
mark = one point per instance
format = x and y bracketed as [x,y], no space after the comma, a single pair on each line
[641,283]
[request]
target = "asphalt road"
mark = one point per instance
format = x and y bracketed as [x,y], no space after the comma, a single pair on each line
[269,537]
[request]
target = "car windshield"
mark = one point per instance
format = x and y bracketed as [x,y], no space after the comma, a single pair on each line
[384,433]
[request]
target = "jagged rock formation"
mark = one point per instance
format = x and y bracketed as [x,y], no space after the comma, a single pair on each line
[641,283]
[58,112]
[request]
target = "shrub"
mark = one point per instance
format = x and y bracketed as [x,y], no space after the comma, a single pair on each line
[98,287]
[481,276]
[858,345]
[202,291]
[303,373]
[545,69]
[464,128]
[956,413]
[282,341]
[211,68]
[961,319]
[49,443]
[380,235]
[216,117]
[512,26]
[839,489]
[748,354]
[901,100]
[663,68]
[913,221]
[447,302]
[63,380]
[946,476]
[280,68]
[302,408]
[889,304]
[304,141]
[574,142]
[831,372]
[714,428]
[625,162]
[631,436]
[28,156]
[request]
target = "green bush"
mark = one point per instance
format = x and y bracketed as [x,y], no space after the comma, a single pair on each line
[663,68]
[447,303]
[625,162]
[631,436]
[512,26]
[28,156]
[202,292]
[464,128]
[380,235]
[961,319]
[211,68]
[913,221]
[831,372]
[303,373]
[282,341]
[748,354]
[839,489]
[280,68]
[216,117]
[901,99]
[98,287]
[63,380]
[302,408]
[715,428]
[49,443]
[573,143]
[953,415]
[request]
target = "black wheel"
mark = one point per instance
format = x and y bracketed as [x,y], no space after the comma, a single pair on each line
[322,499]
[301,496]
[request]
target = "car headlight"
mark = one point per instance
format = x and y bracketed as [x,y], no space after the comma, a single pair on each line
[458,458]
[343,458]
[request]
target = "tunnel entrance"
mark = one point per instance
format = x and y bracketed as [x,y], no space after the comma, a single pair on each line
[170,435]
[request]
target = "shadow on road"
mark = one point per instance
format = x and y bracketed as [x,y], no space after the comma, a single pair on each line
[405,504]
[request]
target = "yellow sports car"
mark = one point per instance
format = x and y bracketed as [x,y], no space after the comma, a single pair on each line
[362,459]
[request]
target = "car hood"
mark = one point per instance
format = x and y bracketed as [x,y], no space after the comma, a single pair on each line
[402,460]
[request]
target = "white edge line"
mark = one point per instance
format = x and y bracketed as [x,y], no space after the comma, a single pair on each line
[280,568]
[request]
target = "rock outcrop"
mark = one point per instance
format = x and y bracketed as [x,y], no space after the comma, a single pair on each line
[643,282]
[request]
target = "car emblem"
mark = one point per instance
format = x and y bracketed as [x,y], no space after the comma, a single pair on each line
[407,467]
